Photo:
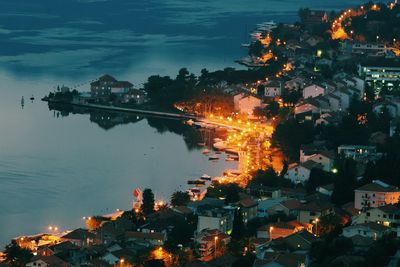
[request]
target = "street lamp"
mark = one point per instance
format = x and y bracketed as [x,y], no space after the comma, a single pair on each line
[215,246]
[316,226]
[270,232]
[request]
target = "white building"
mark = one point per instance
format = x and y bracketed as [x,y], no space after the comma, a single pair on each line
[356,152]
[300,173]
[273,89]
[375,194]
[370,229]
[215,218]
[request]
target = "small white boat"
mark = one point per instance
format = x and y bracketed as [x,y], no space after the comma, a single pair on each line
[229,159]
[201,144]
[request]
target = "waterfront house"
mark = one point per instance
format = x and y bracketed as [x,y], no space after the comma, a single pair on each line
[134,96]
[375,194]
[107,85]
[369,229]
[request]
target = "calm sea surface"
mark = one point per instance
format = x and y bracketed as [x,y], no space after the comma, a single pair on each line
[55,168]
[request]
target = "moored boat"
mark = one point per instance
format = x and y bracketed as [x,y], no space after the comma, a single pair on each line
[213,157]
[206,177]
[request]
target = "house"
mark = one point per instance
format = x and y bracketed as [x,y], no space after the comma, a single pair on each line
[334,102]
[246,103]
[325,158]
[369,229]
[296,83]
[329,118]
[313,209]
[107,85]
[389,106]
[309,150]
[388,215]
[215,218]
[134,96]
[273,89]
[282,259]
[47,261]
[288,207]
[300,172]
[80,237]
[313,91]
[207,240]
[281,229]
[115,257]
[248,208]
[298,241]
[375,194]
[325,189]
[155,238]
[344,96]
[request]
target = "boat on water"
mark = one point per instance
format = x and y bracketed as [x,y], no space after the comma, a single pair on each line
[206,151]
[32,98]
[22,102]
[205,177]
[213,157]
[232,173]
[233,157]
[229,159]
[201,144]
[245,45]
[197,182]
[189,122]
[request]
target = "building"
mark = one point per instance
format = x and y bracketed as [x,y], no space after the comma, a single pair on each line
[326,190]
[375,194]
[282,259]
[325,158]
[281,229]
[313,209]
[288,207]
[248,208]
[380,75]
[107,85]
[134,96]
[246,104]
[155,238]
[80,237]
[300,172]
[47,261]
[273,89]
[356,152]
[388,215]
[215,218]
[369,229]
[313,90]
[207,241]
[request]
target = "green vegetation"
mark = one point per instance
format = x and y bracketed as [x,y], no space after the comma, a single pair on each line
[180,198]
[148,202]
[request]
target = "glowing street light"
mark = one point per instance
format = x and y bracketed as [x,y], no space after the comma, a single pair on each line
[270,232]
[215,246]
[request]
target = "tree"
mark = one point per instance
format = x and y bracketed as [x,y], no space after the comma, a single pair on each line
[238,229]
[16,256]
[345,181]
[317,177]
[148,202]
[180,198]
